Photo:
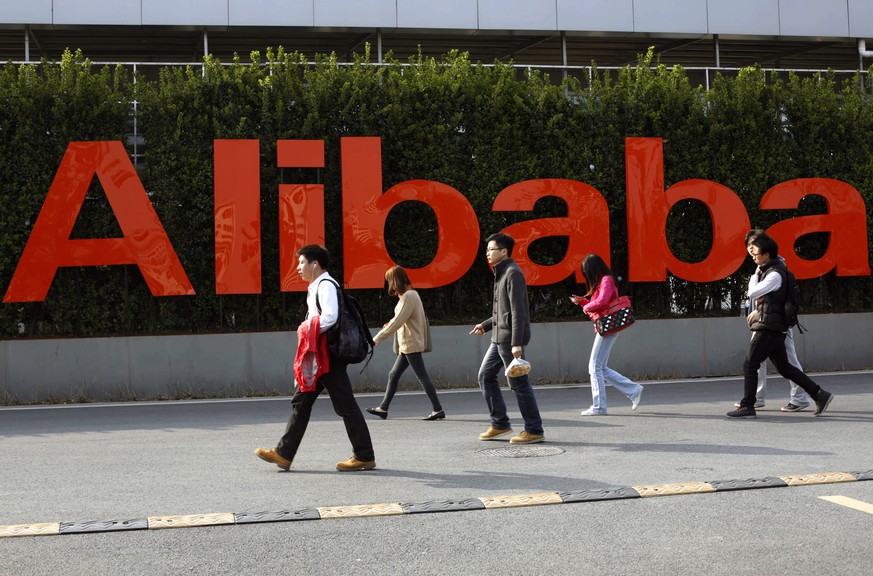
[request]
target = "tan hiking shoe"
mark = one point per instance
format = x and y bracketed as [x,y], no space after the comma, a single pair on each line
[527,438]
[354,464]
[272,456]
[493,433]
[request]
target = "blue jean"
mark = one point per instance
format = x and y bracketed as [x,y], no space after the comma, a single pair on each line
[601,374]
[496,359]
[416,361]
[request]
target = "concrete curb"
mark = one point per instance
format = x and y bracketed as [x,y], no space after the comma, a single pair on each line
[401,508]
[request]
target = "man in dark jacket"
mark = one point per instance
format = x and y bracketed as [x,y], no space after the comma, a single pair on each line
[510,326]
[767,323]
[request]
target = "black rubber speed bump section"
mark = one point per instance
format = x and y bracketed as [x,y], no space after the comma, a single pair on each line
[442,506]
[104,526]
[748,484]
[616,493]
[284,516]
[868,475]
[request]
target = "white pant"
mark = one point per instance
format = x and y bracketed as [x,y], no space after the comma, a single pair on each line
[798,397]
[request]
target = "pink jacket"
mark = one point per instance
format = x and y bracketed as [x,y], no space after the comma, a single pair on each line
[312,360]
[602,297]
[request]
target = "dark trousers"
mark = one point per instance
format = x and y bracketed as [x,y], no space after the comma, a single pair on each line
[340,390]
[417,363]
[769,344]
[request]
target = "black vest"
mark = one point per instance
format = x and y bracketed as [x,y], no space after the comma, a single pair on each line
[771,306]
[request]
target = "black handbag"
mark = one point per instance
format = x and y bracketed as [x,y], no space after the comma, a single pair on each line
[617,317]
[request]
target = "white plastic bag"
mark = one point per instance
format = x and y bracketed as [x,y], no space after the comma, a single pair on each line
[518,367]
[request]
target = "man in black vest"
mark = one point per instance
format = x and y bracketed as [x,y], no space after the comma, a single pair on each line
[767,323]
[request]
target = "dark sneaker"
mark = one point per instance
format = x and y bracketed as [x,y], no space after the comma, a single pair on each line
[792,407]
[743,412]
[822,402]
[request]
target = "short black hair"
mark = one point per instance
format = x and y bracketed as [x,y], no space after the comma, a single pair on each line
[752,234]
[503,241]
[766,245]
[315,253]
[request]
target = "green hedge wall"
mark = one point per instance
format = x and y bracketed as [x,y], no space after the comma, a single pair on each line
[42,108]
[476,128]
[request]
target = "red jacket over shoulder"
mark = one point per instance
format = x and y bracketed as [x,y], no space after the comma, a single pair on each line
[311,361]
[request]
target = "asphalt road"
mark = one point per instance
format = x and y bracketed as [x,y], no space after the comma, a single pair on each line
[119,461]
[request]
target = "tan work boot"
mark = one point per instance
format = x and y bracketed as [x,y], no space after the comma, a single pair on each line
[354,464]
[493,433]
[527,438]
[272,456]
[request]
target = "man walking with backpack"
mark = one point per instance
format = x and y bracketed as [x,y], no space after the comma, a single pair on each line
[768,325]
[798,399]
[322,300]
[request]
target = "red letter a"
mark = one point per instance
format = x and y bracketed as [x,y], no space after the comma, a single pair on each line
[845,221]
[145,242]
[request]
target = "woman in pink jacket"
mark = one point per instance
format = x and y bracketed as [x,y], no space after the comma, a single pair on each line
[410,326]
[602,291]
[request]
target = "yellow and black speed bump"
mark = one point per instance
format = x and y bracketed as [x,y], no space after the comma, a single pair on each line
[396,509]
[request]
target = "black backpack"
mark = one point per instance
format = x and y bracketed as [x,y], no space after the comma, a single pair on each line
[349,340]
[793,301]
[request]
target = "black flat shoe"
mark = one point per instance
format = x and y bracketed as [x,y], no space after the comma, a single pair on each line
[378,412]
[435,416]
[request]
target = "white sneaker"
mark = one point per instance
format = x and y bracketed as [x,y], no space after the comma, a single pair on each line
[635,401]
[592,412]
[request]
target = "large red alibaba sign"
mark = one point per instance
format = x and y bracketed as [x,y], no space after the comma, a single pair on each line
[366,206]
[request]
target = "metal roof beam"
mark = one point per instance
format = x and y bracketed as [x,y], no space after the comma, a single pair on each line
[348,50]
[526,45]
[797,52]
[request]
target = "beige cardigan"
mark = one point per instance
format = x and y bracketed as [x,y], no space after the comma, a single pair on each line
[409,322]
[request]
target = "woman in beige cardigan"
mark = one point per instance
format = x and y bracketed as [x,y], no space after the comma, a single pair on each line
[410,325]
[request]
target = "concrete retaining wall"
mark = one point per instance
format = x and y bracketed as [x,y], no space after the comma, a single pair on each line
[256,363]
